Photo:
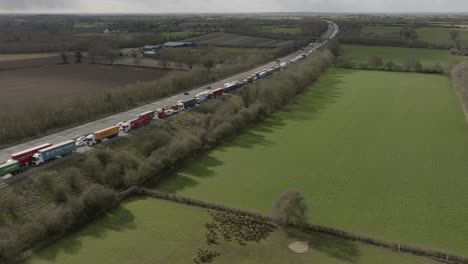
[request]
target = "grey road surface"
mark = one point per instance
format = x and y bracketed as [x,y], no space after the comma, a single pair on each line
[88,128]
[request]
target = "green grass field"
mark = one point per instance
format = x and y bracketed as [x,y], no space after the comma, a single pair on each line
[377,153]
[150,231]
[179,35]
[435,35]
[381,31]
[441,35]
[428,57]
[282,30]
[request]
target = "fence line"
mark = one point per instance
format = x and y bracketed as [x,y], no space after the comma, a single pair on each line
[394,246]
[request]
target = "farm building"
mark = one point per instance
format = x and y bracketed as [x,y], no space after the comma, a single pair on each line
[179,44]
[151,47]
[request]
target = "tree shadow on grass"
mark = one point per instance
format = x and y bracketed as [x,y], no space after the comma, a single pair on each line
[341,249]
[119,220]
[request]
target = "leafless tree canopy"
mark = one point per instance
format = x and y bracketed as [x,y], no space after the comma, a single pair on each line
[290,208]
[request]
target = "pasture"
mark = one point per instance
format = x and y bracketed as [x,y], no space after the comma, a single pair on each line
[178,35]
[376,153]
[434,35]
[151,231]
[427,57]
[35,86]
[234,40]
[282,30]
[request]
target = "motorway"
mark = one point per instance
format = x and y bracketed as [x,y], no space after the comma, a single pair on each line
[88,128]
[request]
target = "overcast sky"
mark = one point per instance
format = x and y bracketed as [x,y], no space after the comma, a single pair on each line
[229,6]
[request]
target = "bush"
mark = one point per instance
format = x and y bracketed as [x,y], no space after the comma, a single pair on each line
[71,178]
[92,169]
[59,193]
[46,181]
[66,218]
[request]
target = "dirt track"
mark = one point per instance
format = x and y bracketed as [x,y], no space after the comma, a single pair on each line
[34,86]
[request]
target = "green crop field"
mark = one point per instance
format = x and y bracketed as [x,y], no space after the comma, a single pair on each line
[377,153]
[149,231]
[427,57]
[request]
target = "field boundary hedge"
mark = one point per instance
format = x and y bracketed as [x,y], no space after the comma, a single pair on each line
[393,246]
[459,80]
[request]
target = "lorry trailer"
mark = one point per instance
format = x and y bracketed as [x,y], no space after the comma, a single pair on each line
[46,155]
[203,96]
[149,114]
[218,92]
[98,136]
[189,103]
[10,167]
[229,87]
[135,123]
[25,157]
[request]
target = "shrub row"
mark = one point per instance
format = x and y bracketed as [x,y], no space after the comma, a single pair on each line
[459,78]
[377,63]
[49,226]
[373,41]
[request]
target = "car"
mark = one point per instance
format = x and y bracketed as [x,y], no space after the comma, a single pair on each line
[208,88]
[186,93]
[80,141]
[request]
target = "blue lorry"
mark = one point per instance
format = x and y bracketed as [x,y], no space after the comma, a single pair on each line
[58,150]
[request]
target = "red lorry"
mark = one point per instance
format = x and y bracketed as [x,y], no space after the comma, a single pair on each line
[25,157]
[143,120]
[218,92]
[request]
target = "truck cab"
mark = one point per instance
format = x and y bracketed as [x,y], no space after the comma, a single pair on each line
[125,127]
[91,140]
[202,97]
[38,159]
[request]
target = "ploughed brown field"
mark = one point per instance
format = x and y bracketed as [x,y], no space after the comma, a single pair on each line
[23,88]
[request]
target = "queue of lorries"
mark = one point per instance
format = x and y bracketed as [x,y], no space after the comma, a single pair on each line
[46,153]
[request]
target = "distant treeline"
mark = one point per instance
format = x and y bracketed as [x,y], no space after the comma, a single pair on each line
[27,34]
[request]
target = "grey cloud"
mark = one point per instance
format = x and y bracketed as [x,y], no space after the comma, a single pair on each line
[33,4]
[207,6]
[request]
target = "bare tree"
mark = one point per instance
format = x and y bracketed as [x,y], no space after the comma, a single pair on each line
[64,56]
[136,58]
[290,208]
[408,32]
[455,37]
[78,56]
[375,62]
[208,64]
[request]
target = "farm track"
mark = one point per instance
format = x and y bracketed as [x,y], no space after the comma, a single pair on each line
[85,129]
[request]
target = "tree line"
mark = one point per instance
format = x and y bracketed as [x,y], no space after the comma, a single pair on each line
[375,62]
[459,79]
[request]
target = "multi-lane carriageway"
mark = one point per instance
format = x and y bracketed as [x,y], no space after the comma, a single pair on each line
[85,129]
